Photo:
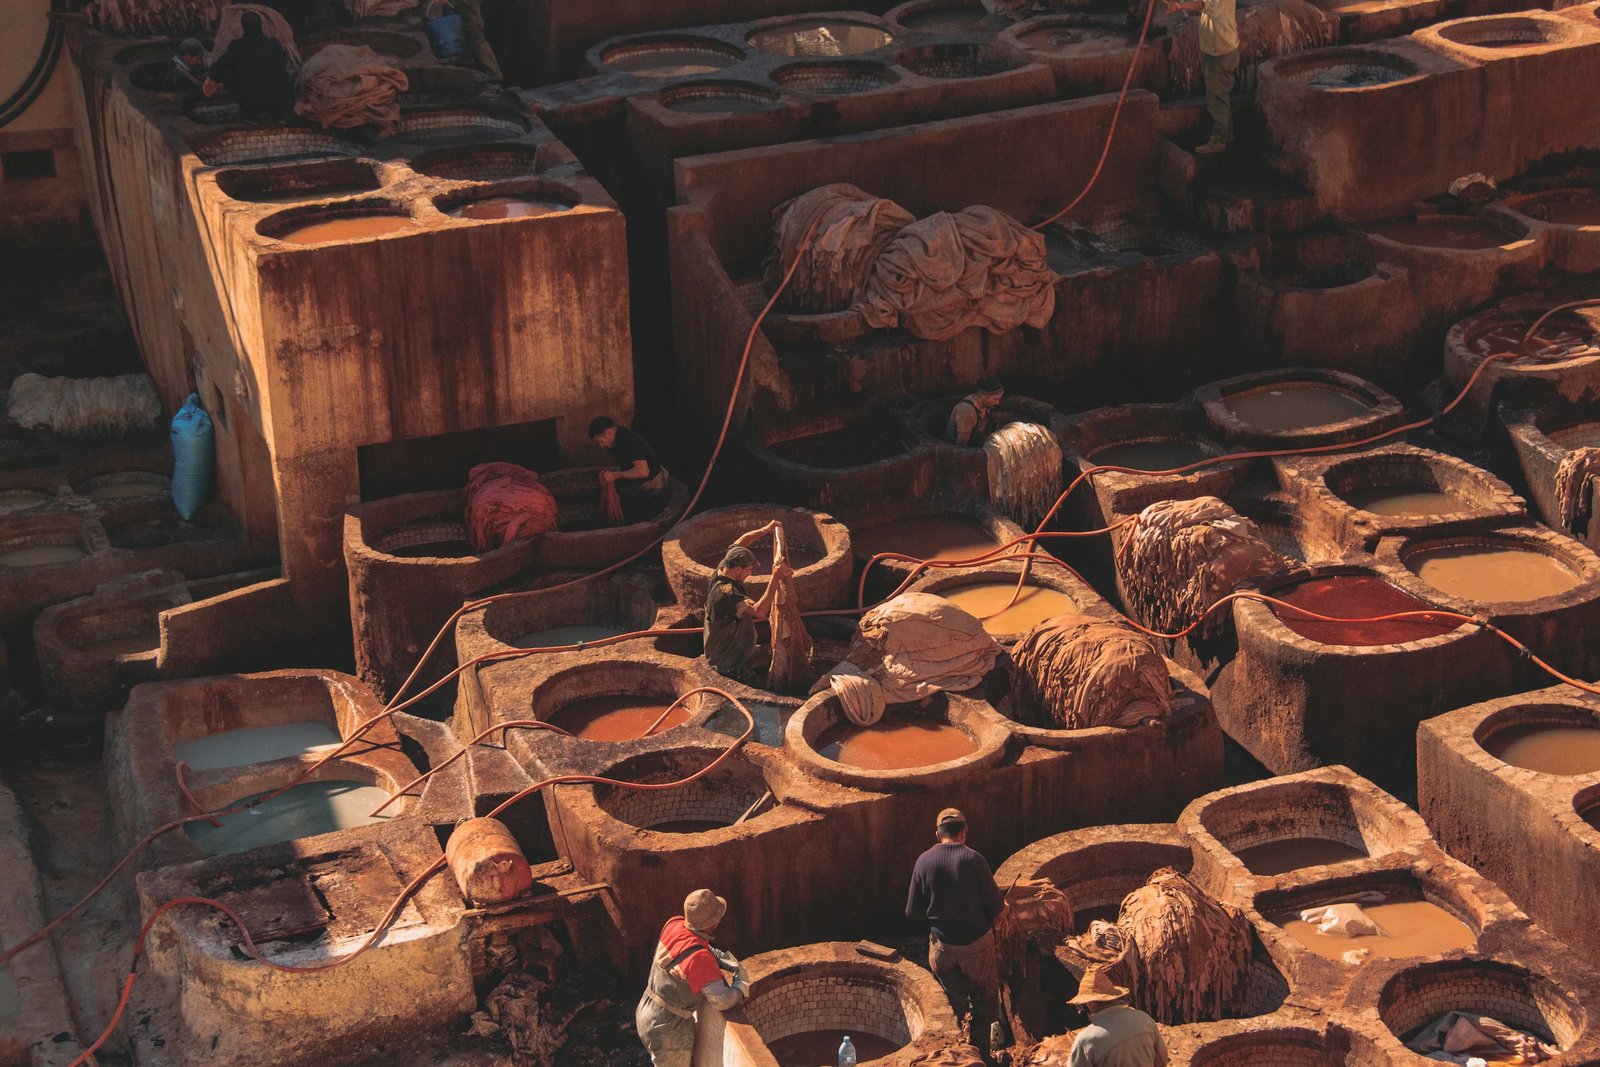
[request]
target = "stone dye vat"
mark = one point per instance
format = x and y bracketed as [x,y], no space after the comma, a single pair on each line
[280,713]
[670,56]
[1570,219]
[1505,785]
[1089,51]
[819,36]
[1541,441]
[121,485]
[947,17]
[1285,695]
[1296,408]
[614,696]
[818,546]
[805,1000]
[987,593]
[1558,365]
[847,459]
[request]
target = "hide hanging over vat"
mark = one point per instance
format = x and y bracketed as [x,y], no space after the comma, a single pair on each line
[1185,555]
[1024,461]
[919,644]
[345,86]
[1081,672]
[1194,952]
[1578,473]
[851,226]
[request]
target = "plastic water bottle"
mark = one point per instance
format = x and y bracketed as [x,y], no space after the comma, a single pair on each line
[847,1052]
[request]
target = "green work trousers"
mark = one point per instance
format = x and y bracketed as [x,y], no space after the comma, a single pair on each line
[970,977]
[667,1036]
[1219,72]
[471,12]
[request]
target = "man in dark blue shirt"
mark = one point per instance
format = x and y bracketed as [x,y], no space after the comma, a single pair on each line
[953,890]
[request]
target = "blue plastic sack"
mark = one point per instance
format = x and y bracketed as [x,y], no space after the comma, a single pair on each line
[192,457]
[446,32]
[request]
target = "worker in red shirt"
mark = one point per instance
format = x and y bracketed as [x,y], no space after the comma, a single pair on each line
[687,975]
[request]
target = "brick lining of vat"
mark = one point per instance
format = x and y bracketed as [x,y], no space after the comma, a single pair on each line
[1268,1048]
[957,61]
[834,79]
[816,999]
[458,120]
[1416,996]
[328,177]
[1331,804]
[720,797]
[420,533]
[489,162]
[259,146]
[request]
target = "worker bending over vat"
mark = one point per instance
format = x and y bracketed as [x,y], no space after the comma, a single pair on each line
[687,975]
[1219,59]
[255,71]
[972,418]
[953,890]
[187,71]
[1118,1034]
[642,483]
[732,645]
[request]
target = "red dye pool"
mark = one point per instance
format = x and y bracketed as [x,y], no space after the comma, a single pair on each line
[1356,596]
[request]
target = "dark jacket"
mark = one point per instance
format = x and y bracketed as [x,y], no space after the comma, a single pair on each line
[255,71]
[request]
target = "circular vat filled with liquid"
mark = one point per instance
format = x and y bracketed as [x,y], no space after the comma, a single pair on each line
[437,538]
[1153,454]
[1559,739]
[1414,998]
[39,541]
[1343,69]
[670,57]
[948,17]
[1492,570]
[714,801]
[818,547]
[123,485]
[1561,207]
[113,634]
[946,536]
[23,499]
[359,220]
[1412,917]
[942,739]
[479,163]
[269,145]
[1008,609]
[1501,32]
[957,61]
[802,1013]
[1276,1047]
[1291,406]
[1318,262]
[309,809]
[857,444]
[306,181]
[1280,828]
[618,700]
[1401,484]
[1455,233]
[603,607]
[834,79]
[1097,877]
[819,36]
[1511,335]
[517,200]
[434,125]
[1354,595]
[1587,805]
[719,98]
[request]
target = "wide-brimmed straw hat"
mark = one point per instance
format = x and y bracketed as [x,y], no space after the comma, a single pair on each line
[1097,987]
[703,909]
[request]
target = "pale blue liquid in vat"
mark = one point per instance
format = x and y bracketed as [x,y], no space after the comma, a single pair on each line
[253,744]
[308,809]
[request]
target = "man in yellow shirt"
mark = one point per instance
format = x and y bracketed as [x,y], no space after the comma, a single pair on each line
[1219,57]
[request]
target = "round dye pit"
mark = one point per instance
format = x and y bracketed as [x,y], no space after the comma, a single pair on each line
[1454,233]
[621,717]
[1561,337]
[1493,573]
[719,98]
[310,181]
[993,604]
[818,1048]
[803,1012]
[834,79]
[457,124]
[1296,406]
[1355,596]
[963,18]
[1563,207]
[1588,808]
[1415,997]
[848,446]
[1150,454]
[673,58]
[1358,75]
[507,207]
[254,744]
[22,499]
[436,539]
[479,163]
[820,37]
[343,228]
[305,810]
[712,802]
[1287,854]
[899,741]
[1499,33]
[1399,500]
[580,633]
[1410,928]
[40,555]
[956,61]
[1269,1048]
[124,486]
[944,537]
[1548,748]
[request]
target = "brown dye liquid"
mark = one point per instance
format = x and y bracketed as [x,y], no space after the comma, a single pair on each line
[123,645]
[895,743]
[1388,500]
[1296,406]
[1156,454]
[1356,596]
[849,446]
[670,62]
[820,1048]
[1460,234]
[1493,575]
[1571,209]
[1294,853]
[1548,748]
[345,228]
[507,207]
[987,602]
[1410,928]
[433,550]
[616,718]
[925,537]
[1061,38]
[37,555]
[688,826]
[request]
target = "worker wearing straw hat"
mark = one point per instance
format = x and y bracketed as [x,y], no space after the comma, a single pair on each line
[687,976]
[1118,1034]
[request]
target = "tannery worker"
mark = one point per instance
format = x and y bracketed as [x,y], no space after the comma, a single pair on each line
[973,415]
[255,71]
[643,484]
[477,42]
[187,72]
[731,642]
[1219,60]
[1118,1034]
[953,890]
[688,975]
